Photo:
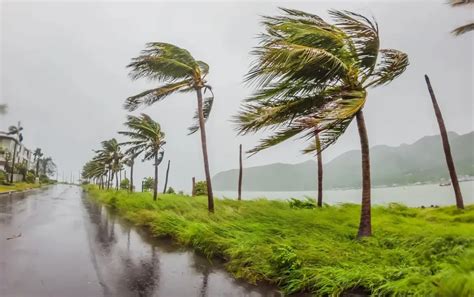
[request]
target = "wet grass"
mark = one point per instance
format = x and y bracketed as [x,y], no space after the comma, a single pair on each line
[18,187]
[414,252]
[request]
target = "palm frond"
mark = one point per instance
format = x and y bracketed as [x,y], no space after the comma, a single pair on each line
[206,110]
[463,29]
[392,64]
[152,96]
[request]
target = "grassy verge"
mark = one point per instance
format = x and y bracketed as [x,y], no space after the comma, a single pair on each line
[414,252]
[18,187]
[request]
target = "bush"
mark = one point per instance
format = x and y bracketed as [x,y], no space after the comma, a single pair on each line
[170,191]
[3,176]
[124,184]
[30,178]
[148,183]
[201,188]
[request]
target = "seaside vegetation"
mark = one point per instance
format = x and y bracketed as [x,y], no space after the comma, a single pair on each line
[413,251]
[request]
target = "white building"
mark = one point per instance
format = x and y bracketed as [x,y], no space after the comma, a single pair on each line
[7,145]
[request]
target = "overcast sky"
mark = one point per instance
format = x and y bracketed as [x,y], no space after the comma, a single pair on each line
[63,75]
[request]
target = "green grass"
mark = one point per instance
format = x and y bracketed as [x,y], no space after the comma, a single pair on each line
[414,252]
[18,187]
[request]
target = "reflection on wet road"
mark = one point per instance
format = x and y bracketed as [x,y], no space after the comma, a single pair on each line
[70,246]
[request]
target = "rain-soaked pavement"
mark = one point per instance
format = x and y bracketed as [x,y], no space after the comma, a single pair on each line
[55,242]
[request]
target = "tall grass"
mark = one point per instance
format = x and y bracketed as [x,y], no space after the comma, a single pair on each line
[414,252]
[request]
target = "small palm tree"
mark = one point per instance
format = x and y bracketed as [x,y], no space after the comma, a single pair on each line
[468,27]
[312,79]
[147,138]
[37,155]
[179,72]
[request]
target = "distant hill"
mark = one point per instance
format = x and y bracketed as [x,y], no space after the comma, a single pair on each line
[422,161]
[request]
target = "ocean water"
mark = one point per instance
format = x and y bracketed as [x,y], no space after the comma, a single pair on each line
[413,195]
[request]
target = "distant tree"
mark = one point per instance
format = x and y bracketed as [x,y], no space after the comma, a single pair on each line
[125,184]
[180,72]
[18,137]
[145,136]
[3,109]
[22,169]
[148,183]
[170,191]
[111,156]
[468,27]
[37,157]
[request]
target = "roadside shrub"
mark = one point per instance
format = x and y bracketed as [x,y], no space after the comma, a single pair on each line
[307,203]
[30,178]
[201,188]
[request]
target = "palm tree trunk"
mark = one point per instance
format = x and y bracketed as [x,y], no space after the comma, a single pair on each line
[155,184]
[131,176]
[116,181]
[320,171]
[240,173]
[193,191]
[365,225]
[166,179]
[37,167]
[446,147]
[13,163]
[210,196]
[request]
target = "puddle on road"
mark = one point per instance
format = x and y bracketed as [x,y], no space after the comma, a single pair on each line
[131,263]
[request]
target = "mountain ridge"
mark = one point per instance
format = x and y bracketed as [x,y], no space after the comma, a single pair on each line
[422,161]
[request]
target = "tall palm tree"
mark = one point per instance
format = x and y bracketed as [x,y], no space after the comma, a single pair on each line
[18,138]
[146,137]
[446,146]
[179,72]
[312,78]
[465,28]
[130,162]
[37,154]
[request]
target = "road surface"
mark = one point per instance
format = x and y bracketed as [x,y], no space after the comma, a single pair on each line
[55,242]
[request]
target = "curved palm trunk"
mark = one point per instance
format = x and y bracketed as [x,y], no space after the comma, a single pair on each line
[365,225]
[13,163]
[166,179]
[240,173]
[131,177]
[320,171]
[116,181]
[155,184]
[446,147]
[202,128]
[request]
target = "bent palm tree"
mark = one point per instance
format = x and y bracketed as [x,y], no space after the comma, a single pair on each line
[146,137]
[179,72]
[312,78]
[468,27]
[446,146]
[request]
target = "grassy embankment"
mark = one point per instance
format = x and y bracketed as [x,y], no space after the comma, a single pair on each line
[415,252]
[18,187]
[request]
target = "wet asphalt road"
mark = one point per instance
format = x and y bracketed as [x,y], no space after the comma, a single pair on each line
[64,245]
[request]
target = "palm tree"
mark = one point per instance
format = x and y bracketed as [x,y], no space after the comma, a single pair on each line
[312,78]
[130,162]
[111,156]
[179,72]
[446,146]
[47,166]
[468,27]
[18,138]
[95,170]
[37,154]
[146,137]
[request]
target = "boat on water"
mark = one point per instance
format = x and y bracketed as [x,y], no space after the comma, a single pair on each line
[445,184]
